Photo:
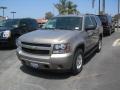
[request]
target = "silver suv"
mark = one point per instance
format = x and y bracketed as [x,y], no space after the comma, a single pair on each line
[62,43]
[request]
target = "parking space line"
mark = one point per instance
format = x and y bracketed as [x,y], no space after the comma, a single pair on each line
[116,43]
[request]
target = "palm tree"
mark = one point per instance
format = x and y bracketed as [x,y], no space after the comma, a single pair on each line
[66,7]
[61,6]
[72,8]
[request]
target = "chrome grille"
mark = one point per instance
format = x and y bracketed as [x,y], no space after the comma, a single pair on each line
[36,48]
[36,44]
[42,52]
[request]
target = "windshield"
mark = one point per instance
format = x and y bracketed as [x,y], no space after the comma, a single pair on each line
[1,23]
[64,23]
[10,23]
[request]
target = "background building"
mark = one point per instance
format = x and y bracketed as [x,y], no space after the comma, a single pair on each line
[41,21]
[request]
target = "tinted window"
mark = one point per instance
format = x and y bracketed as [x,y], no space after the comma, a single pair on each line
[65,23]
[24,22]
[93,21]
[33,24]
[98,20]
[88,22]
[1,23]
[11,23]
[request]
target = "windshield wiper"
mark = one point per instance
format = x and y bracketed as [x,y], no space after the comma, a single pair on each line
[48,28]
[64,28]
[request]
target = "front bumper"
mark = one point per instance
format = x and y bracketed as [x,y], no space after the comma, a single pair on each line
[5,42]
[53,62]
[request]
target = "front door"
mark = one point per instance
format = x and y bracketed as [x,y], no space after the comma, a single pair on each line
[95,36]
[89,33]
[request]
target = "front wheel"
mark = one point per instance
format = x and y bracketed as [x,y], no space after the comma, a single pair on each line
[77,62]
[99,46]
[15,41]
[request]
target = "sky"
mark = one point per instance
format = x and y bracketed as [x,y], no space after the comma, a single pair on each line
[38,8]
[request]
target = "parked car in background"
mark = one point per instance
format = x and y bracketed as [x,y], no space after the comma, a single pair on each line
[107,23]
[113,25]
[62,44]
[11,29]
[41,22]
[117,24]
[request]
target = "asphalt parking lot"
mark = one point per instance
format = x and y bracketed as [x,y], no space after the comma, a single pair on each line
[100,72]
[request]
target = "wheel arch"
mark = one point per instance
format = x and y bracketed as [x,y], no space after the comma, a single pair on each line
[101,36]
[80,46]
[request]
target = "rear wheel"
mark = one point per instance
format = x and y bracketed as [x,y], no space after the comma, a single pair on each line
[99,45]
[110,31]
[77,62]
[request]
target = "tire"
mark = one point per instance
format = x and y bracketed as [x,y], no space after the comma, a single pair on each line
[15,41]
[77,62]
[23,64]
[110,32]
[99,45]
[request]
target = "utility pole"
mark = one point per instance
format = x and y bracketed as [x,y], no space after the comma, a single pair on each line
[13,13]
[3,8]
[118,14]
[103,6]
[99,7]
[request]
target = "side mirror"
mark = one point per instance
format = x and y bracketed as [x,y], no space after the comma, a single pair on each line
[90,27]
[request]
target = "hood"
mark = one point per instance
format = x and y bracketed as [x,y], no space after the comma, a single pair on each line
[47,36]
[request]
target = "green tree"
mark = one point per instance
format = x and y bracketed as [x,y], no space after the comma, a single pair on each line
[66,7]
[72,8]
[61,6]
[49,15]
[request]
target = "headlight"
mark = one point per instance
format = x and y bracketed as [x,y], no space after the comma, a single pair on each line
[61,48]
[6,34]
[18,43]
